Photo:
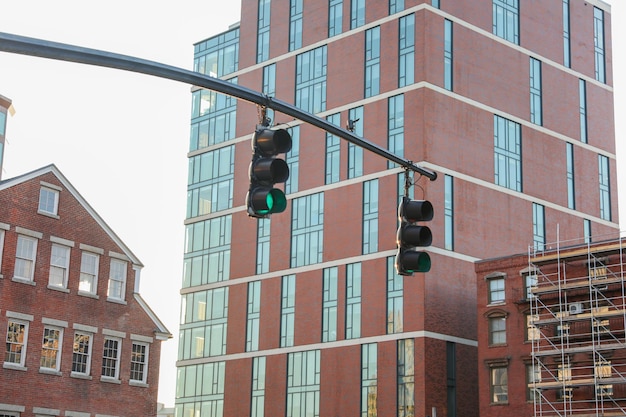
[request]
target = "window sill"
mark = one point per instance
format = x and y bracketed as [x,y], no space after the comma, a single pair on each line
[88,294]
[14,366]
[500,404]
[497,303]
[138,384]
[60,289]
[80,376]
[116,301]
[51,215]
[498,345]
[110,380]
[23,281]
[49,371]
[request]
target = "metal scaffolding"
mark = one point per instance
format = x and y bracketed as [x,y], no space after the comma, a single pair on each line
[576,327]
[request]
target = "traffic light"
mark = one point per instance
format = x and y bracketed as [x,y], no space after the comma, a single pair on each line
[410,235]
[266,170]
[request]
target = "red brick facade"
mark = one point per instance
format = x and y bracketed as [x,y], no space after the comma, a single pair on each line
[43,373]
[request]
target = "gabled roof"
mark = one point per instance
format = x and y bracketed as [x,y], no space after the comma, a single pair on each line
[11,182]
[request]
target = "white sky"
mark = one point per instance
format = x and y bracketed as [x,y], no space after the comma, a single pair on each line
[122,138]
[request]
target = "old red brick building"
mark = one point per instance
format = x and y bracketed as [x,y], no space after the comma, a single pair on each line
[551,329]
[78,338]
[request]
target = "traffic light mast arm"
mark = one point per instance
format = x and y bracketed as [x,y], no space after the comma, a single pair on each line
[64,52]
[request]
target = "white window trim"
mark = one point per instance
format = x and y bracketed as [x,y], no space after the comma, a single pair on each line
[94,284]
[87,372]
[2,233]
[122,294]
[33,259]
[144,381]
[116,377]
[49,188]
[55,370]
[22,364]
[65,268]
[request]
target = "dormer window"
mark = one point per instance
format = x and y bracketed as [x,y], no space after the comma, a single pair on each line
[48,200]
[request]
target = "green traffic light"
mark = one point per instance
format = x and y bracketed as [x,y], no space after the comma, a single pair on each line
[276,201]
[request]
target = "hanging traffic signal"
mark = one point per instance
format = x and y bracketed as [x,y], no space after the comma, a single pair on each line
[410,235]
[266,170]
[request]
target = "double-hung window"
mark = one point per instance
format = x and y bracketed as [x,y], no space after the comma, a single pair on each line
[25,258]
[139,363]
[497,329]
[117,280]
[89,273]
[81,353]
[59,266]
[51,348]
[111,358]
[17,336]
[48,201]
[495,288]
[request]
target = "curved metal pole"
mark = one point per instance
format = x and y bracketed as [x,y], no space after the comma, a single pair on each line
[64,52]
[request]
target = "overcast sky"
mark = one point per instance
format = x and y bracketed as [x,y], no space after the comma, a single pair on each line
[122,138]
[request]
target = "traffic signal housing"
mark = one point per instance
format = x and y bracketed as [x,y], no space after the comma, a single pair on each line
[266,170]
[411,235]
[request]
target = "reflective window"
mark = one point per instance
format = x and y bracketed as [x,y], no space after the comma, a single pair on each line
[598,42]
[287,310]
[311,80]
[370,216]
[604,174]
[333,151]
[506,20]
[508,153]
[335,17]
[263,31]
[307,230]
[329,306]
[353,301]
[295,24]
[372,61]
[406,53]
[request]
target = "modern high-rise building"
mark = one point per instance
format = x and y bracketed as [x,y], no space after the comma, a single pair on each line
[303,313]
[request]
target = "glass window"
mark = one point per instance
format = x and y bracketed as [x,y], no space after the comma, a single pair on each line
[3,123]
[206,383]
[530,283]
[406,53]
[355,153]
[395,298]
[447,55]
[254,316]
[117,280]
[258,387]
[335,17]
[25,257]
[533,376]
[571,189]
[370,216]
[59,266]
[218,56]
[81,353]
[329,306]
[605,187]
[496,292]
[205,319]
[508,153]
[333,151]
[499,382]
[111,358]
[295,24]
[566,35]
[497,330]
[436,4]
[395,127]
[214,118]
[311,80]
[506,20]
[210,182]
[17,337]
[448,211]
[582,109]
[396,6]
[89,273]
[288,311]
[263,31]
[48,201]
[303,384]
[535,92]
[269,86]
[263,246]
[51,348]
[587,230]
[139,362]
[598,42]
[372,61]
[357,13]
[532,331]
[307,230]
[406,377]
[207,251]
[353,301]
[293,161]
[539,227]
[369,380]
[2,233]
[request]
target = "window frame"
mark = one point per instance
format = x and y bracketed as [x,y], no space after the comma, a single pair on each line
[113,280]
[144,364]
[496,278]
[45,195]
[58,351]
[111,363]
[93,277]
[497,334]
[493,399]
[63,268]
[32,259]
[9,357]
[77,354]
